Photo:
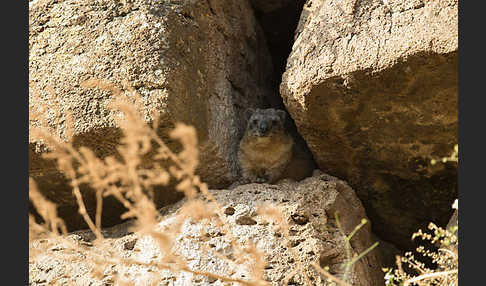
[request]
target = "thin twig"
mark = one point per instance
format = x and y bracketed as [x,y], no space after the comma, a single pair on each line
[82,209]
[429,275]
[363,253]
[330,276]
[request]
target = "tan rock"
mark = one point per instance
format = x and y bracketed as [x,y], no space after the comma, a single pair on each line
[199,62]
[372,87]
[308,207]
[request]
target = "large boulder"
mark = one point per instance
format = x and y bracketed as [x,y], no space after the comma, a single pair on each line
[199,62]
[308,208]
[372,87]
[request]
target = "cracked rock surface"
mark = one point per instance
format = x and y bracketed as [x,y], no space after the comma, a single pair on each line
[199,62]
[372,88]
[307,206]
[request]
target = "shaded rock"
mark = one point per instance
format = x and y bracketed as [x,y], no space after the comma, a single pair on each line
[199,62]
[267,6]
[316,241]
[372,88]
[388,252]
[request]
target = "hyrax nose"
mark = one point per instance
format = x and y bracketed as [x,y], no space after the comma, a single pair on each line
[263,126]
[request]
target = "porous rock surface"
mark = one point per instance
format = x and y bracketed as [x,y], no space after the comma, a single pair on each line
[308,207]
[372,87]
[199,62]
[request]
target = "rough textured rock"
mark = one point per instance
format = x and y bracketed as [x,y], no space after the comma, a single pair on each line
[199,62]
[308,207]
[372,87]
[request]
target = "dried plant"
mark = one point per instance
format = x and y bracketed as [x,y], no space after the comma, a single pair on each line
[132,182]
[350,258]
[446,257]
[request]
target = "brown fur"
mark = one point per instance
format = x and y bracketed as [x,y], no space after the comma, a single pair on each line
[263,158]
[264,161]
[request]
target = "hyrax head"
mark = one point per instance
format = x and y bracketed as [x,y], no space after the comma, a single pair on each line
[265,122]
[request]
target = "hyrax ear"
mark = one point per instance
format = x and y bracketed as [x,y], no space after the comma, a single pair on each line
[249,112]
[281,114]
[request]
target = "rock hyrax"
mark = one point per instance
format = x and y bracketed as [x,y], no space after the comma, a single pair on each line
[266,148]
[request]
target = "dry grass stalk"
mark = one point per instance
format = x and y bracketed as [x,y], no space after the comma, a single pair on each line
[445,258]
[47,210]
[419,274]
[128,180]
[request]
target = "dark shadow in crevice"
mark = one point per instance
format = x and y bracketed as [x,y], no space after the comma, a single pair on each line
[279,27]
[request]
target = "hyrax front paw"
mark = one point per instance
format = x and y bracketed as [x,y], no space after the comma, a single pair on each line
[261,180]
